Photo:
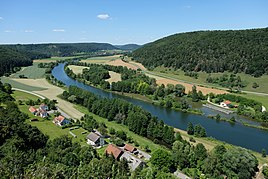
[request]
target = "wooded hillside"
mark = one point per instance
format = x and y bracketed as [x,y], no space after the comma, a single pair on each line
[62,49]
[210,51]
[10,58]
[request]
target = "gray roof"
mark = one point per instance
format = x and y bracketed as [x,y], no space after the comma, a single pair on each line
[93,136]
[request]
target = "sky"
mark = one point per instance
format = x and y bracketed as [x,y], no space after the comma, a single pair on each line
[122,21]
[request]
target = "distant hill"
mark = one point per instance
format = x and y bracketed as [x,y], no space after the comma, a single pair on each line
[129,47]
[62,49]
[210,51]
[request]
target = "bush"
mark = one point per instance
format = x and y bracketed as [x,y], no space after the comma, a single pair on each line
[192,139]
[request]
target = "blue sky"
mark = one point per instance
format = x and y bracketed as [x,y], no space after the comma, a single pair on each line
[122,21]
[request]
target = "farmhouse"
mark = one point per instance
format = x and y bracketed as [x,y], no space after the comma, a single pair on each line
[43,107]
[114,151]
[60,121]
[95,139]
[226,104]
[33,110]
[126,153]
[130,148]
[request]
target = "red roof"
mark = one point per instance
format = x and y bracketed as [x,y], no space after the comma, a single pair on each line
[113,150]
[227,102]
[32,109]
[129,148]
[59,118]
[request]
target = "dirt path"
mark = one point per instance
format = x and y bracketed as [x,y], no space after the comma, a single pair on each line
[51,93]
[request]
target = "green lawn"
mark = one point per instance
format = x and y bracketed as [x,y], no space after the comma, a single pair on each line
[19,95]
[32,72]
[262,99]
[179,74]
[16,84]
[46,126]
[111,124]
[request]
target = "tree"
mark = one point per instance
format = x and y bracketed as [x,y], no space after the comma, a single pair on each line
[190,129]
[200,151]
[263,153]
[161,158]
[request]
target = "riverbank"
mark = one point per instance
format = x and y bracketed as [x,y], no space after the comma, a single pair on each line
[209,143]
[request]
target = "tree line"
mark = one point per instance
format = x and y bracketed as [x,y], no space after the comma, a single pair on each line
[170,96]
[138,120]
[209,51]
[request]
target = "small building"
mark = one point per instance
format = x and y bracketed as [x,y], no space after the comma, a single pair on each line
[60,121]
[43,113]
[114,151]
[130,148]
[33,110]
[43,107]
[225,104]
[95,139]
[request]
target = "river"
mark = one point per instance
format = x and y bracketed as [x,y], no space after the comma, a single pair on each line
[237,134]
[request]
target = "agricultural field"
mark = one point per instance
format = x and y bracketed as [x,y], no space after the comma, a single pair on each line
[32,72]
[17,83]
[19,95]
[202,76]
[77,69]
[54,59]
[101,60]
[115,77]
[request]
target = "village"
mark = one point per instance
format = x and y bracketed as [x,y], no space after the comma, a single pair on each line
[134,156]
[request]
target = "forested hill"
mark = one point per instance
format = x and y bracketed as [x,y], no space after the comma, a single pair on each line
[210,51]
[9,59]
[62,49]
[129,47]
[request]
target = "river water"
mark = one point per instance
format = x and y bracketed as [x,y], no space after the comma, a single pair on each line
[237,134]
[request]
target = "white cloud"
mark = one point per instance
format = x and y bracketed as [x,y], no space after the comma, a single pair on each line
[103,16]
[8,31]
[28,31]
[58,30]
[1,18]
[188,7]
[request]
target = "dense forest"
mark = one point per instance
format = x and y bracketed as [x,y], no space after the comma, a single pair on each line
[62,49]
[11,59]
[209,51]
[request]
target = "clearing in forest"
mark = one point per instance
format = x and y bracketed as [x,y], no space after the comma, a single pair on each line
[77,69]
[115,77]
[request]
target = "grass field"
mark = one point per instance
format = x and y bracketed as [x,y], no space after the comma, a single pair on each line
[54,59]
[114,77]
[21,85]
[262,99]
[101,60]
[77,69]
[46,126]
[19,95]
[179,74]
[32,72]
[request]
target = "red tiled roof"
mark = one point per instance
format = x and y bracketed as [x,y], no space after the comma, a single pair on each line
[129,148]
[59,118]
[113,150]
[32,109]
[227,102]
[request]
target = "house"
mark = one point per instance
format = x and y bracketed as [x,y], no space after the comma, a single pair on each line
[225,104]
[43,113]
[130,148]
[133,162]
[43,107]
[33,110]
[95,139]
[60,121]
[114,151]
